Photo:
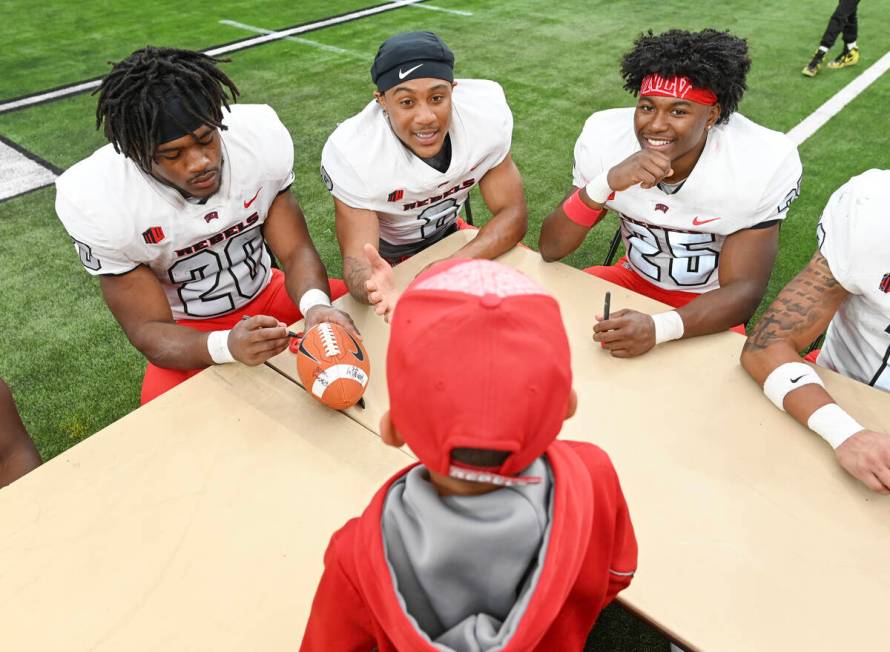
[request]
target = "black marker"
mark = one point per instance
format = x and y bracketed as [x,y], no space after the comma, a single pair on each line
[289,333]
[606,306]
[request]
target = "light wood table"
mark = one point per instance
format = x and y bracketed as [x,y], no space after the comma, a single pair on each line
[197,522]
[752,537]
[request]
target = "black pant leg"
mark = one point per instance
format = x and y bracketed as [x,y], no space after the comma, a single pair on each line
[851,29]
[846,9]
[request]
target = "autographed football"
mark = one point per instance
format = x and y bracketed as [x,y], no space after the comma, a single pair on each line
[333,365]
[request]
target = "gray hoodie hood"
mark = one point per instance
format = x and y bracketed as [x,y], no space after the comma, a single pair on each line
[464,567]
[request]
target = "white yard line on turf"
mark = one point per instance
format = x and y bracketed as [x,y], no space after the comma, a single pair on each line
[297,39]
[277,36]
[19,174]
[832,107]
[456,12]
[224,49]
[49,95]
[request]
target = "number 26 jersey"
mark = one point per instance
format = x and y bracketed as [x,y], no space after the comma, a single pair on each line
[745,176]
[210,258]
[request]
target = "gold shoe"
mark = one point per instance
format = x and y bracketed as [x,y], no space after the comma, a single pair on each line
[846,58]
[812,68]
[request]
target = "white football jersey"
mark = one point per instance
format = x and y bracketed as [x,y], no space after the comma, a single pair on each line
[210,258]
[366,166]
[747,174]
[854,238]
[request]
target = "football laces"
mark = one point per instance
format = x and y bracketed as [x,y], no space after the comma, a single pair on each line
[328,340]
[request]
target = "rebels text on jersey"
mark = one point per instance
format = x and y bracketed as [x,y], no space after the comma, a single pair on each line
[746,175]
[210,258]
[366,166]
[854,238]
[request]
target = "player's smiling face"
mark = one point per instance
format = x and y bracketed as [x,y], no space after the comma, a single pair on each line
[677,128]
[420,112]
[192,164]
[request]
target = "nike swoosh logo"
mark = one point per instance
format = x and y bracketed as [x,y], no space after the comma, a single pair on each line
[306,353]
[248,203]
[405,73]
[697,222]
[794,380]
[358,350]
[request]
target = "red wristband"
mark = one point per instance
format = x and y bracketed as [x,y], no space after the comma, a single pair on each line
[580,213]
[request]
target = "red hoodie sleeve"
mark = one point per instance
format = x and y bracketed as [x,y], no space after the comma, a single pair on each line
[624,547]
[338,620]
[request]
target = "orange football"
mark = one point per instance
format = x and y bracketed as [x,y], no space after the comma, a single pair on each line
[333,365]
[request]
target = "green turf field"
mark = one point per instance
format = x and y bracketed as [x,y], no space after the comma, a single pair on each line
[70,366]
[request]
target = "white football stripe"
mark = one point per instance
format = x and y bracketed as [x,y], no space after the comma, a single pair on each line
[338,371]
[456,12]
[839,100]
[297,39]
[214,52]
[19,174]
[327,22]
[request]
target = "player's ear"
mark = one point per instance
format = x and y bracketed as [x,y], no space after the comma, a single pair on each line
[713,115]
[378,96]
[572,405]
[388,432]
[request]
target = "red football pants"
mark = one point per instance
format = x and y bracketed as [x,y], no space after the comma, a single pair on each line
[273,301]
[621,274]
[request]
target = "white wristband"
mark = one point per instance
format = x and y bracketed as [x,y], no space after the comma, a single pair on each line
[668,326]
[312,298]
[218,347]
[786,378]
[833,424]
[598,189]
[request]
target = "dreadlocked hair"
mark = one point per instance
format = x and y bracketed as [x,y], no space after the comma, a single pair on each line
[133,94]
[711,59]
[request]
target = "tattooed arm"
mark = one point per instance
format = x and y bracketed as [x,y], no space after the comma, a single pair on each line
[355,228]
[799,314]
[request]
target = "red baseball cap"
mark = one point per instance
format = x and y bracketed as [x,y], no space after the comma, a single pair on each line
[478,358]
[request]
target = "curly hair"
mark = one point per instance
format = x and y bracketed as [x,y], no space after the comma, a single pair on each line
[715,60]
[132,96]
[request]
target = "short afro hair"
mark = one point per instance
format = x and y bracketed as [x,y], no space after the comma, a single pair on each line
[714,60]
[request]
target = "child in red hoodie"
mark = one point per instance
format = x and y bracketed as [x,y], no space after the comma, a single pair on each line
[501,538]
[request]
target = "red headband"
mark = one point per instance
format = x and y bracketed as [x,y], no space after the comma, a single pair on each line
[681,87]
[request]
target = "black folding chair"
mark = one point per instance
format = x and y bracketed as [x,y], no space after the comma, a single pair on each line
[468,212]
[816,343]
[613,247]
[271,255]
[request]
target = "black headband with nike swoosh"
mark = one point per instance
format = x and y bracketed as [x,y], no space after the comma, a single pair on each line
[176,118]
[411,55]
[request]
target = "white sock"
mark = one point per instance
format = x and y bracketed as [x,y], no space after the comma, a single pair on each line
[850,46]
[823,49]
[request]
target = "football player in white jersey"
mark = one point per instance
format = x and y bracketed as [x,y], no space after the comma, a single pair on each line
[845,287]
[401,170]
[174,213]
[700,190]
